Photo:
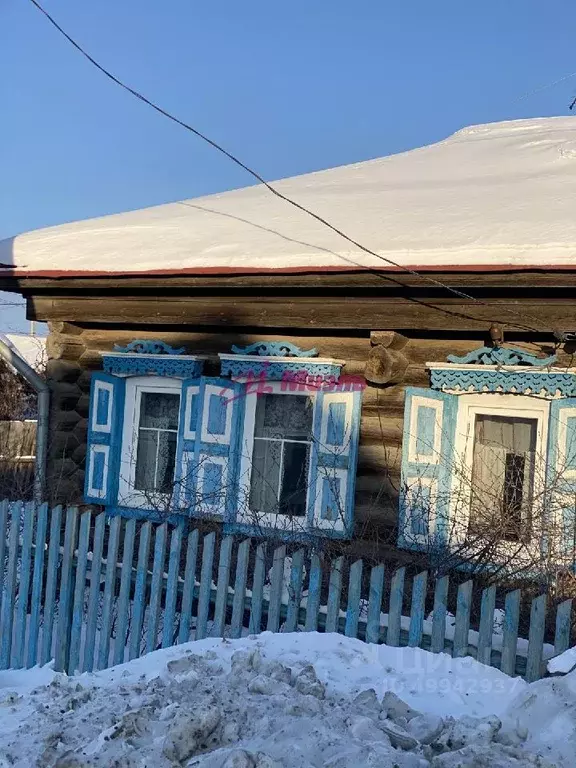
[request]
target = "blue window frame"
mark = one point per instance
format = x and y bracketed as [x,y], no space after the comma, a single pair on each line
[167,445]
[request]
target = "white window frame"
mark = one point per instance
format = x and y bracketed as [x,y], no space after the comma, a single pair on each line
[493,404]
[247,516]
[128,496]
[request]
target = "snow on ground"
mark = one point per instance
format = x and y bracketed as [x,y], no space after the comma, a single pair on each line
[499,196]
[563,663]
[285,700]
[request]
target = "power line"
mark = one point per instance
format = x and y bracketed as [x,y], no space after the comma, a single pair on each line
[290,201]
[545,87]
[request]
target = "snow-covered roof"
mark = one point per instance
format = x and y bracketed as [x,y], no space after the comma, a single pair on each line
[494,196]
[30,348]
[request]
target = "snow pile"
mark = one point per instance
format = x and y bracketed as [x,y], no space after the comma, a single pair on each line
[564,663]
[498,196]
[271,701]
[546,712]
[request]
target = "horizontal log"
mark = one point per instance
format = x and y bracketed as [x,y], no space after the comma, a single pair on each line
[348,348]
[63,421]
[62,348]
[320,311]
[62,371]
[67,329]
[359,279]
[387,430]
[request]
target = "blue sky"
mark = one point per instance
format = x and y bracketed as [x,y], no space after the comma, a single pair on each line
[290,87]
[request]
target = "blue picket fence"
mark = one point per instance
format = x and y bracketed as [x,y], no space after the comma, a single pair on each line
[90,592]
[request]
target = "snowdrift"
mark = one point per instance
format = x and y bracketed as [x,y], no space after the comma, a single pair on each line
[295,700]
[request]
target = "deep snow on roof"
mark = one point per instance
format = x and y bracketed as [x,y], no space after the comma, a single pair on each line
[494,196]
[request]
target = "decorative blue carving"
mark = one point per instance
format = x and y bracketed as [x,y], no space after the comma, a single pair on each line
[144,365]
[144,347]
[501,356]
[271,370]
[518,382]
[274,349]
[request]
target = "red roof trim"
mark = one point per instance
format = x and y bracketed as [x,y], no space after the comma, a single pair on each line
[55,273]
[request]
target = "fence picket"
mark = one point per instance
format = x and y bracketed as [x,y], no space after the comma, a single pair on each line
[375,604]
[188,588]
[536,639]
[78,592]
[156,587]
[257,589]
[109,590]
[168,630]
[94,594]
[4,505]
[395,607]
[23,587]
[120,641]
[10,587]
[462,624]
[486,632]
[313,600]
[140,583]
[354,597]
[563,626]
[276,585]
[334,592]
[65,596]
[37,577]
[238,603]
[417,609]
[439,615]
[510,635]
[220,606]
[294,591]
[205,586]
[65,570]
[51,577]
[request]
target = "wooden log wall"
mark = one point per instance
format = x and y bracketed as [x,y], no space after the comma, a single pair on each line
[74,351]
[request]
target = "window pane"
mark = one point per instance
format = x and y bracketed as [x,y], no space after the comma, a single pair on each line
[287,416]
[159,410]
[146,460]
[294,479]
[503,475]
[166,461]
[265,478]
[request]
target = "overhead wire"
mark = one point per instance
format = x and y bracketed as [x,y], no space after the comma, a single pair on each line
[401,267]
[546,86]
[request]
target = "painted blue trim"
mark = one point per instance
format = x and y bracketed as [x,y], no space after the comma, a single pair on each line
[336,430]
[149,347]
[229,451]
[441,471]
[501,380]
[310,536]
[153,365]
[274,349]
[113,439]
[501,356]
[153,515]
[425,431]
[217,406]
[330,497]
[102,405]
[212,480]
[98,471]
[186,457]
[312,373]
[557,482]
